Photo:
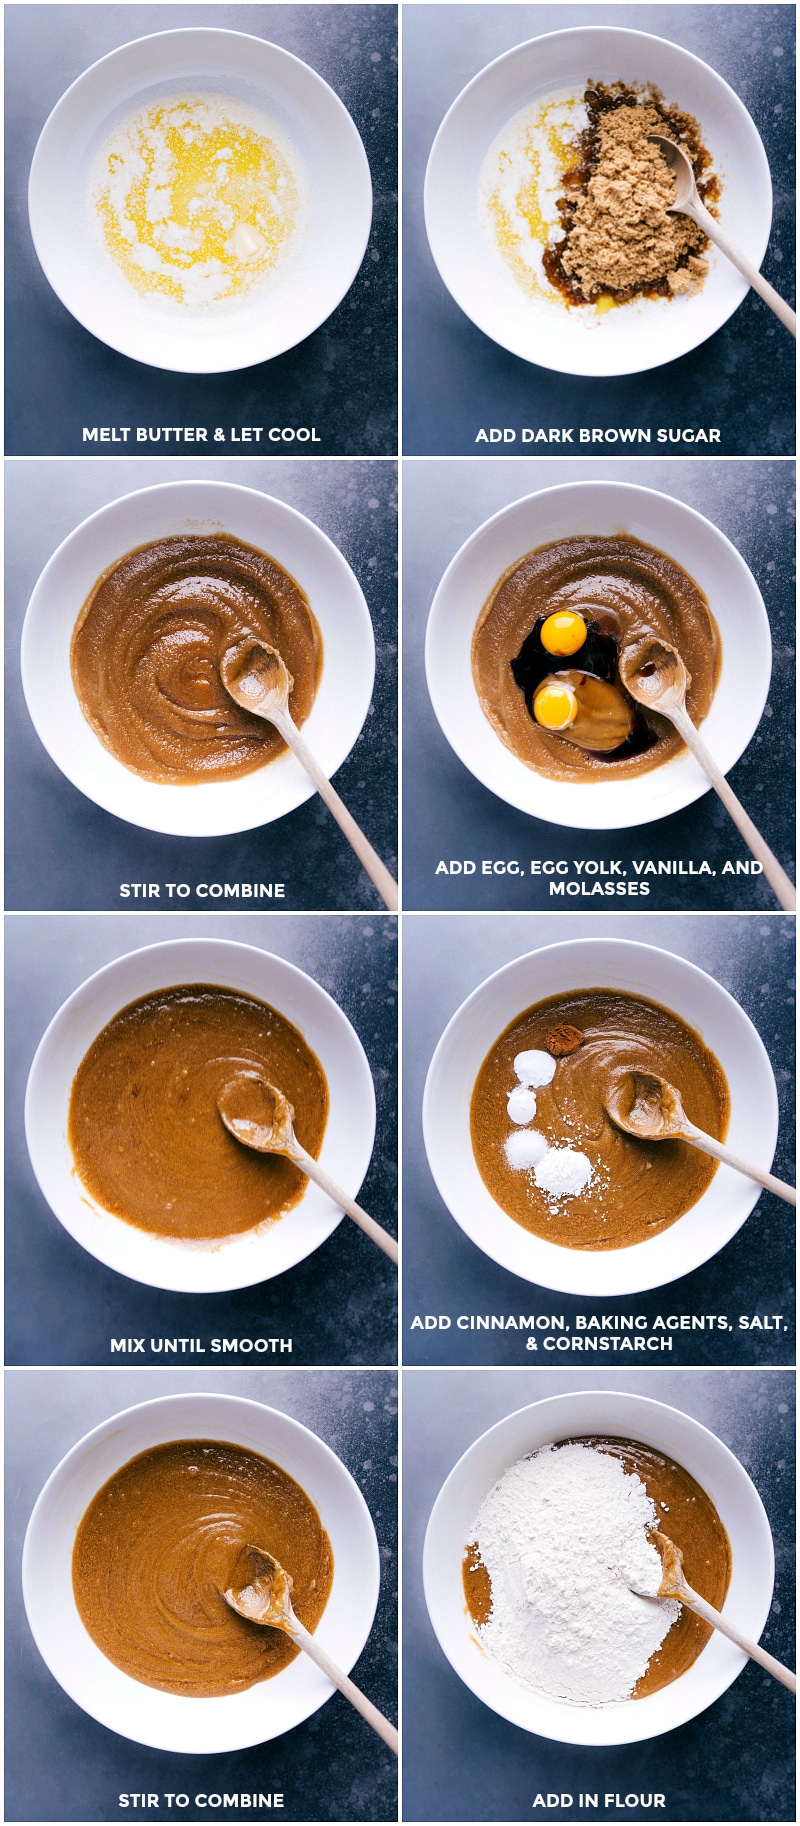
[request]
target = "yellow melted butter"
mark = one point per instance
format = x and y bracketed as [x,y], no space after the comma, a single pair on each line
[194,203]
[531,215]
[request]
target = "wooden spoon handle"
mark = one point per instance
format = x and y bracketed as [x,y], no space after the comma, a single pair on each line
[750,272]
[367,856]
[298,1633]
[707,1145]
[753,1649]
[777,877]
[314,1171]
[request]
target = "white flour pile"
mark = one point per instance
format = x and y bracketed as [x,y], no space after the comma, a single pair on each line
[560,1172]
[561,1535]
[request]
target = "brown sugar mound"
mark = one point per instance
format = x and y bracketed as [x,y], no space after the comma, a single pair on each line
[619,238]
[622,235]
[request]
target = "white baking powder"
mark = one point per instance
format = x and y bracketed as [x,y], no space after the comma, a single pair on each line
[522,1104]
[563,1536]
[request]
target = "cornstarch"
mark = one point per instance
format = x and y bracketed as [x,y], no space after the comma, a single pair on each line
[561,1535]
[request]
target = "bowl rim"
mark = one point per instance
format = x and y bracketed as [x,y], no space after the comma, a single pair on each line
[224,1403]
[566,1270]
[612,32]
[121,343]
[644,1406]
[300,786]
[694,783]
[251,1271]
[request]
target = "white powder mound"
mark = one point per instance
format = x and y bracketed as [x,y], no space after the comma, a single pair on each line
[561,1535]
[525,1148]
[522,1104]
[563,1172]
[534,1068]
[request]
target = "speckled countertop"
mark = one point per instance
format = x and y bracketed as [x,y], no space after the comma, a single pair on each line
[64,852]
[451,814]
[342,380]
[462,1761]
[63,1306]
[444,1272]
[62,1765]
[455,380]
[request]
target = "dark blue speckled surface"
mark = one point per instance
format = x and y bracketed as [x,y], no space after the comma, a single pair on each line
[62,851]
[463,1762]
[444,959]
[449,813]
[62,1306]
[455,380]
[342,380]
[61,1765]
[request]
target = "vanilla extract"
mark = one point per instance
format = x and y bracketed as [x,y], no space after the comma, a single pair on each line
[599,658]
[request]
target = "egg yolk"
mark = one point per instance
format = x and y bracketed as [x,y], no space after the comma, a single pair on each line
[563,632]
[555,706]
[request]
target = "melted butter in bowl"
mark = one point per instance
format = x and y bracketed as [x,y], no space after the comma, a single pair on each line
[157,1547]
[146,1137]
[198,200]
[146,649]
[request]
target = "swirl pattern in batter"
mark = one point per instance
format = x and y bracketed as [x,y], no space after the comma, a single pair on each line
[146,652]
[157,1548]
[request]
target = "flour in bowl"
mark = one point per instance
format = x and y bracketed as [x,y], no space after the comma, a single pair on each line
[563,1536]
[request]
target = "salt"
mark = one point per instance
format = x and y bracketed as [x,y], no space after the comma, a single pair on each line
[525,1148]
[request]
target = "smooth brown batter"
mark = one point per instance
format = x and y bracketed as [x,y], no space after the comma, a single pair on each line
[638,1188]
[157,1548]
[687,1516]
[145,1132]
[625,590]
[146,652]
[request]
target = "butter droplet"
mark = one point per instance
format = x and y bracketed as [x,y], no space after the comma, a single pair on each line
[246,242]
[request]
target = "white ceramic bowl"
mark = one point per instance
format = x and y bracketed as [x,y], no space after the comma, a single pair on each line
[575,340]
[622,1416]
[598,507]
[599,963]
[236,1261]
[302,294]
[167,1721]
[220,807]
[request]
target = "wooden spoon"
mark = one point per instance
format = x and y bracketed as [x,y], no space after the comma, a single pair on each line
[650,1108]
[656,677]
[261,1591]
[687,203]
[259,1116]
[674,1585]
[255,676]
